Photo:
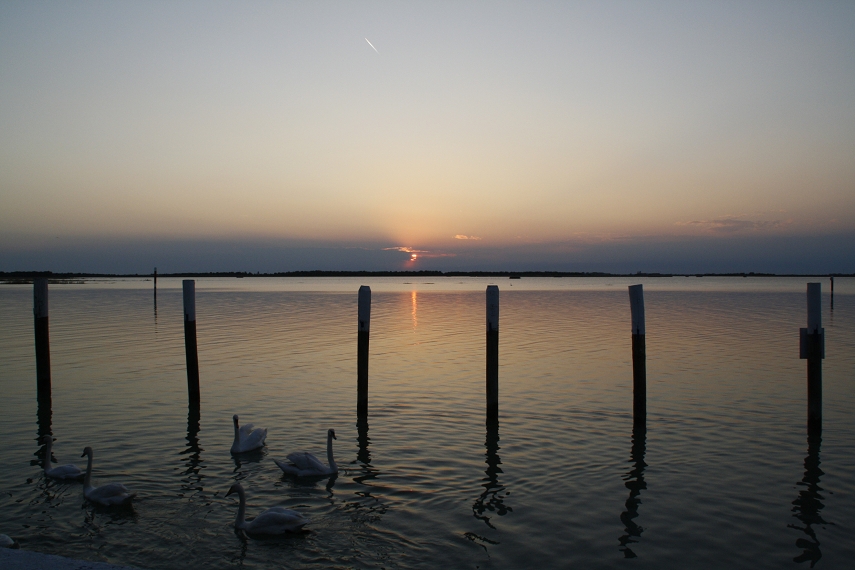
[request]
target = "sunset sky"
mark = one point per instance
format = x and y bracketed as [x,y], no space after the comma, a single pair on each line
[579,136]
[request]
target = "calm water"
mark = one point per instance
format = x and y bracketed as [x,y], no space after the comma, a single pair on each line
[724,476]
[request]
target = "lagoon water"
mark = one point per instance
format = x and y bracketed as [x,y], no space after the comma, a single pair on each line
[724,476]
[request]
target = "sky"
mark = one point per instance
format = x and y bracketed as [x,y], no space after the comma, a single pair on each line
[580,136]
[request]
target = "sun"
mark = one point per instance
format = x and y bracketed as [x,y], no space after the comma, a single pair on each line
[413,257]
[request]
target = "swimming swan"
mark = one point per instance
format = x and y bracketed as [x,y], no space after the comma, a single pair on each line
[246,438]
[107,495]
[305,464]
[276,520]
[63,472]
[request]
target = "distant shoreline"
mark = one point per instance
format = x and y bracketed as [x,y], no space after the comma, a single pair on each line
[21,277]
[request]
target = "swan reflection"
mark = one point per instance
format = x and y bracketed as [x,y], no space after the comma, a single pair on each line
[492,499]
[634,481]
[808,505]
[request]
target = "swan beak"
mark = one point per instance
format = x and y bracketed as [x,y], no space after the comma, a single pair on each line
[230,491]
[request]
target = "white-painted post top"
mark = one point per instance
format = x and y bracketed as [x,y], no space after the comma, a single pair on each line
[492,308]
[40,298]
[364,311]
[814,308]
[636,306]
[189,300]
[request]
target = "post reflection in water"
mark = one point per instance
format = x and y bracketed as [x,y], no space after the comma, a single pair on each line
[367,507]
[192,477]
[634,481]
[492,499]
[807,506]
[44,417]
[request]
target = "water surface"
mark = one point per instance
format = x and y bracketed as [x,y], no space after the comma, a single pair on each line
[723,476]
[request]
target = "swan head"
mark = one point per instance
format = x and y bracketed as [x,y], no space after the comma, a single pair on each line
[236,488]
[87,451]
[235,419]
[331,433]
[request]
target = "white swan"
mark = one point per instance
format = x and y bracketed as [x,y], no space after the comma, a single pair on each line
[107,495]
[64,472]
[276,520]
[305,464]
[246,438]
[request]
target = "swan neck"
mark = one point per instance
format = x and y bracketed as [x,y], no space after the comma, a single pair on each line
[241,514]
[47,454]
[237,436]
[87,480]
[333,466]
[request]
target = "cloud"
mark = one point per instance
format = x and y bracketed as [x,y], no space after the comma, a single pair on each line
[421,252]
[404,249]
[461,236]
[733,224]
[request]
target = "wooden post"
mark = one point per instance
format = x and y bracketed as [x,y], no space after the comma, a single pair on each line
[190,340]
[832,292]
[40,314]
[364,317]
[812,348]
[639,355]
[492,353]
[155,296]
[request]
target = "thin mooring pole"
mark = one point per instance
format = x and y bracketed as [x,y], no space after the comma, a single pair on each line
[364,316]
[40,314]
[190,340]
[492,353]
[812,348]
[832,292]
[639,355]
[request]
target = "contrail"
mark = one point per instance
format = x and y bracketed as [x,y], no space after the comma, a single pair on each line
[372,45]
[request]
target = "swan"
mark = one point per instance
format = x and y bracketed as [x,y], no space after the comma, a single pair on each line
[107,495]
[64,472]
[276,520]
[8,542]
[246,438]
[305,464]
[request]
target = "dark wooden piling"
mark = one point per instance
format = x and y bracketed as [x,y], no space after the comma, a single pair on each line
[812,348]
[42,331]
[190,340]
[155,295]
[492,353]
[639,355]
[832,292]
[364,317]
